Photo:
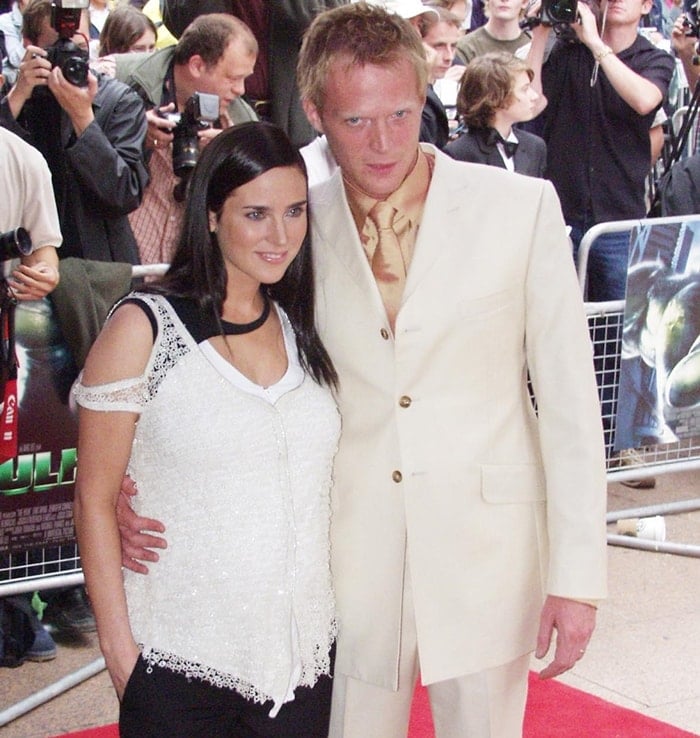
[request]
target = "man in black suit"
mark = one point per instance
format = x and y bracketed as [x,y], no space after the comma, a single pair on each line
[494,95]
[439,31]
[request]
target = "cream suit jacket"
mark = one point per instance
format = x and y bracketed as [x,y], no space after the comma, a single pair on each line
[442,459]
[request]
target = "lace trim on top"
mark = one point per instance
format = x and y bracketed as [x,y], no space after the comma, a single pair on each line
[193,670]
[132,394]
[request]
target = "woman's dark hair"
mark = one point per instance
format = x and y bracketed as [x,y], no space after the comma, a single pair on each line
[123,28]
[233,158]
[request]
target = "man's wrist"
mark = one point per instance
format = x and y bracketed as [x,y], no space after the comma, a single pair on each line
[81,122]
[15,101]
[600,52]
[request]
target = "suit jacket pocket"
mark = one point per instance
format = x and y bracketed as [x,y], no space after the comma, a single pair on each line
[512,483]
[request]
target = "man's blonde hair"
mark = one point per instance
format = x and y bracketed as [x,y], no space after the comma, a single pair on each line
[362,34]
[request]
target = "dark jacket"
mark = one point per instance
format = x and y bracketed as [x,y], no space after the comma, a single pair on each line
[98,177]
[473,146]
[679,188]
[434,127]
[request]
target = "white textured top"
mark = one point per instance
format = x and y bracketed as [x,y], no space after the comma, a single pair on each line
[242,596]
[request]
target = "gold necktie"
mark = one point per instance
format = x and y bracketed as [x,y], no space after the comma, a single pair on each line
[388,264]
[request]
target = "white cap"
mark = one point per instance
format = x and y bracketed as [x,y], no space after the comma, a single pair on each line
[405,8]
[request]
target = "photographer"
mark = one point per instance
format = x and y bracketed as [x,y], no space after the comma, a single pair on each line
[602,94]
[89,129]
[28,201]
[278,28]
[684,41]
[215,55]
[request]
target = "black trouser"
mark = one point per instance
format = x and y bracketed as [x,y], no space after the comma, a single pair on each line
[166,704]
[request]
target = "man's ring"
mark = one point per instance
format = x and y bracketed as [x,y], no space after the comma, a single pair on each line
[155,143]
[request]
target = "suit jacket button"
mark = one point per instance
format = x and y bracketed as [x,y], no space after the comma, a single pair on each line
[397,476]
[384,333]
[405,401]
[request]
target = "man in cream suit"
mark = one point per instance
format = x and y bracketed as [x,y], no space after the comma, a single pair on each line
[466,528]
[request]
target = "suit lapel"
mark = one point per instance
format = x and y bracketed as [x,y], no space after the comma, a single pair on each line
[522,159]
[335,230]
[442,225]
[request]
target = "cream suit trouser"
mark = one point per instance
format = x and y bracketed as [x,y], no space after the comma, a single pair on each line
[488,704]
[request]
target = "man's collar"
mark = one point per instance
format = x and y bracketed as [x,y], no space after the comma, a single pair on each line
[414,184]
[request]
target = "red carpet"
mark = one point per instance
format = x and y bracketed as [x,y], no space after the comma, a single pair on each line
[553,711]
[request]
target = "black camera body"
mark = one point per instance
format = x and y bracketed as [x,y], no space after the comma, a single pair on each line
[555,12]
[691,26]
[559,14]
[71,59]
[201,110]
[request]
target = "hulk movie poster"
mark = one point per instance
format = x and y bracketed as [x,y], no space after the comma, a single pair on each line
[659,392]
[36,487]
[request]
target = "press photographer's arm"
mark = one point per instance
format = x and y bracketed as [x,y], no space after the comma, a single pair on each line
[619,33]
[37,275]
[685,44]
[34,72]
[640,94]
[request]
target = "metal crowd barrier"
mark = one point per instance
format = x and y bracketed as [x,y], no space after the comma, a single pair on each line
[605,321]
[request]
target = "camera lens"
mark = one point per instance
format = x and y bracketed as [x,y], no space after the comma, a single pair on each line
[14,244]
[185,150]
[75,70]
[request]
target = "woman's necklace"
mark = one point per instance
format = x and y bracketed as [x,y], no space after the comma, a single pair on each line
[238,329]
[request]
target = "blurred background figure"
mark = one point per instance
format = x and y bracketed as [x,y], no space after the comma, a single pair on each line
[460,8]
[11,28]
[496,93]
[154,10]
[127,30]
[439,31]
[501,32]
[98,12]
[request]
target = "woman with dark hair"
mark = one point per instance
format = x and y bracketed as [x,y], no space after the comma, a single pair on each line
[127,30]
[213,390]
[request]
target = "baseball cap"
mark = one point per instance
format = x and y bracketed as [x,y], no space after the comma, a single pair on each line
[405,8]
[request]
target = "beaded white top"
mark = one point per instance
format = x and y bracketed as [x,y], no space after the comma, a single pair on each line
[242,596]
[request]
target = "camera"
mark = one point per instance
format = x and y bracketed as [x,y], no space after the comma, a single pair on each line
[691,26]
[71,59]
[14,244]
[559,11]
[201,110]
[559,14]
